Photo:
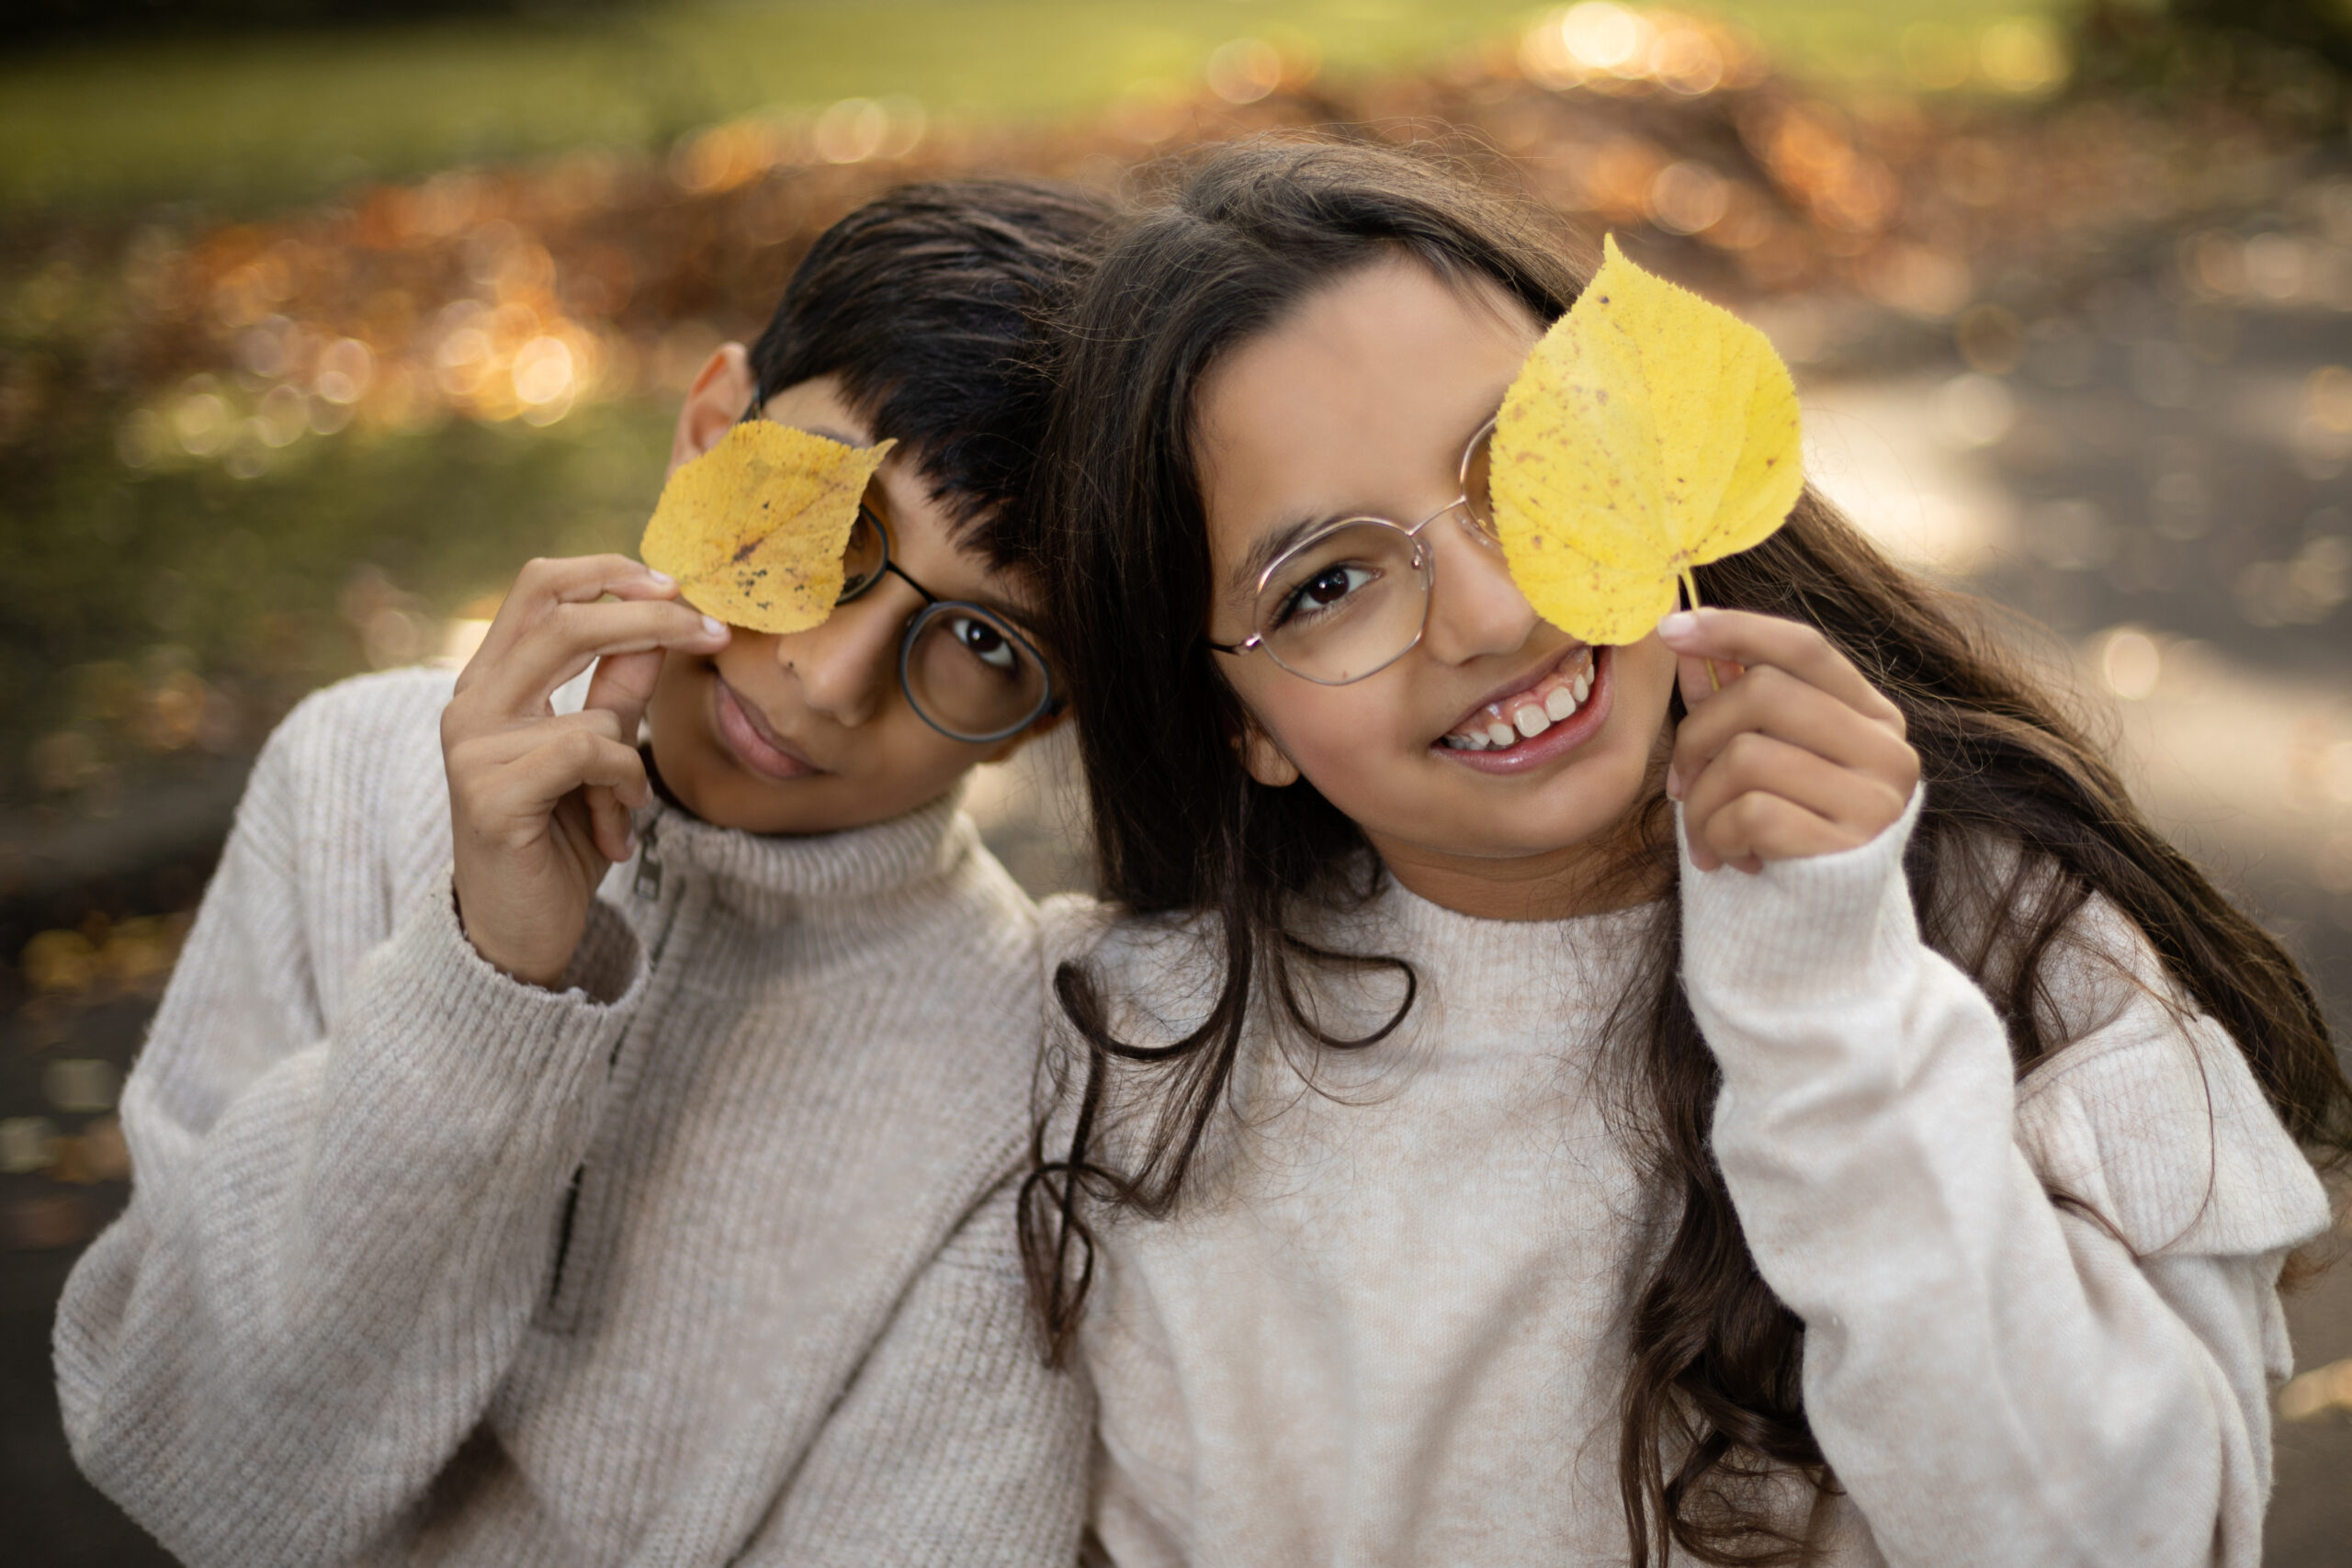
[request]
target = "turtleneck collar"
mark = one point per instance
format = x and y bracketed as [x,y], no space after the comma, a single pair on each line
[765,877]
[1493,970]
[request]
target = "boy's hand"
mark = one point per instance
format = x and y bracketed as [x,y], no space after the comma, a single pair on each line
[539,803]
[1796,755]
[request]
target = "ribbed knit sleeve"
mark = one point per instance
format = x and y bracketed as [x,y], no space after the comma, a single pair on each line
[344,1184]
[1996,1377]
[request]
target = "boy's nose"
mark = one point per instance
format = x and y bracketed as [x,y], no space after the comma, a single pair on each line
[1475,607]
[845,666]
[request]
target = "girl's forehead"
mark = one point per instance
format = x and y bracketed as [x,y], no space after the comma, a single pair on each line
[1359,398]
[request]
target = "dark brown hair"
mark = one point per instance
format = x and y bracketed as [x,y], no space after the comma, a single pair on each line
[931,302]
[1181,829]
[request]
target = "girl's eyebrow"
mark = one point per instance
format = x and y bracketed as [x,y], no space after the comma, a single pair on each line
[1269,548]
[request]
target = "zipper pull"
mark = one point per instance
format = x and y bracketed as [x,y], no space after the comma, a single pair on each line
[648,883]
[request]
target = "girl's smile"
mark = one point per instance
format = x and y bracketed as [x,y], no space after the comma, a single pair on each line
[1533,723]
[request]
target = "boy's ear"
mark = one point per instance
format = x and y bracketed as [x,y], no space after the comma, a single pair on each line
[722,391]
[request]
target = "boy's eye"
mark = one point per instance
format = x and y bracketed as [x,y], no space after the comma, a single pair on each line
[983,642]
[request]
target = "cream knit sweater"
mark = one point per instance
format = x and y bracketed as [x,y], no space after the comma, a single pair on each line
[705,1260]
[1387,1326]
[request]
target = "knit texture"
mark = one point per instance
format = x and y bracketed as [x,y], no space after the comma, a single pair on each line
[706,1258]
[1387,1324]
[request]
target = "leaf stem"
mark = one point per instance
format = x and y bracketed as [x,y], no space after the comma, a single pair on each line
[1691,600]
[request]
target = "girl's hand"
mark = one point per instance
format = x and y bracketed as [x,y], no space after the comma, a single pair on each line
[1796,755]
[538,803]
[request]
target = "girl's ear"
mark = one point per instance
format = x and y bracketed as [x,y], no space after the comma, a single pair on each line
[722,391]
[1264,759]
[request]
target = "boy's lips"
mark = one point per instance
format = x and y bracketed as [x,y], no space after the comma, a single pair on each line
[754,742]
[1537,720]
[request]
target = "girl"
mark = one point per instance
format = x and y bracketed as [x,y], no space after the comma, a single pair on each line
[1521,1103]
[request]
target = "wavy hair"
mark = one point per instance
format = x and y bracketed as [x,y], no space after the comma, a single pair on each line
[1711,1408]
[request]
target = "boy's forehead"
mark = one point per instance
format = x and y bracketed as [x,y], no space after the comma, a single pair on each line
[923,526]
[820,407]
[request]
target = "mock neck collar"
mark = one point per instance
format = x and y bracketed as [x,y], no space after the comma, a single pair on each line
[767,875]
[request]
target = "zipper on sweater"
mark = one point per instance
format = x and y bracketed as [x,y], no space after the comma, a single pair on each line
[645,884]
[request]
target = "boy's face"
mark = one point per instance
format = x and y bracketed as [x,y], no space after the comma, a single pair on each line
[810,732]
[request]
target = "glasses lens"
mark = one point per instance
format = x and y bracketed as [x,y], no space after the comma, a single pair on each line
[972,675]
[1477,500]
[1344,605]
[862,556]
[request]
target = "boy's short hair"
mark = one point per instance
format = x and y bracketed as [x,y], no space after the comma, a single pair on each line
[931,304]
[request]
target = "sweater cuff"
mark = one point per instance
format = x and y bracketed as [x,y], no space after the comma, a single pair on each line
[495,1053]
[1801,934]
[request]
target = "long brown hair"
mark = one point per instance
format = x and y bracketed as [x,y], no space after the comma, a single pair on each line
[1181,829]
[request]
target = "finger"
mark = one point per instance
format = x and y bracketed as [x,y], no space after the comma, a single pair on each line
[475,763]
[1704,679]
[623,684]
[570,636]
[608,820]
[521,794]
[1752,829]
[1752,761]
[1745,637]
[547,582]
[1769,701]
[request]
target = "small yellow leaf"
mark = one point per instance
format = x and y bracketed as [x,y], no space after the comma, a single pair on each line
[753,529]
[1650,431]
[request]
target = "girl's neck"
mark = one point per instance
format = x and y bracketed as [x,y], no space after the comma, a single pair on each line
[1590,878]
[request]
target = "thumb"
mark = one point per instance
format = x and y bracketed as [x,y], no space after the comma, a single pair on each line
[623,685]
[1701,679]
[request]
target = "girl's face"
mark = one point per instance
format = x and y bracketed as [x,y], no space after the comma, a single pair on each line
[1360,404]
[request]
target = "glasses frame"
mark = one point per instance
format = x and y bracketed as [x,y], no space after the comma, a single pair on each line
[1424,562]
[1049,699]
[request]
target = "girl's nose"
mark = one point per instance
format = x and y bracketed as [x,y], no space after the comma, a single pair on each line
[845,667]
[1475,607]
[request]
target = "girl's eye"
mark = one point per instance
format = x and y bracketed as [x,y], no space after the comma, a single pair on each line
[1325,589]
[983,642]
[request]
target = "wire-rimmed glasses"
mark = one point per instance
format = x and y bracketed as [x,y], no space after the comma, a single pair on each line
[1352,598]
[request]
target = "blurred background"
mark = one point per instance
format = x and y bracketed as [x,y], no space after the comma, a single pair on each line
[317,317]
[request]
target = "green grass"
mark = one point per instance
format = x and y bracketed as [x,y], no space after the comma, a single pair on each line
[117,574]
[254,122]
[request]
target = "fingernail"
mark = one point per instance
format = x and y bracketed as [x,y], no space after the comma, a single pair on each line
[659,578]
[1673,784]
[1681,622]
[715,627]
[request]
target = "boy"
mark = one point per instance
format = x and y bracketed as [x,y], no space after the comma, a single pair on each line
[491,1209]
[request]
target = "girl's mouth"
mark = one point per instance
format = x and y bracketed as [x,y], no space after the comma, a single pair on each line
[755,744]
[1530,726]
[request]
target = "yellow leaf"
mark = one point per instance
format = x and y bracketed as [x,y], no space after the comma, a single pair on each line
[1650,431]
[753,529]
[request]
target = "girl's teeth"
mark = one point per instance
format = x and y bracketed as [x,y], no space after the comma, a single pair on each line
[1584,683]
[1531,721]
[1499,734]
[1560,703]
